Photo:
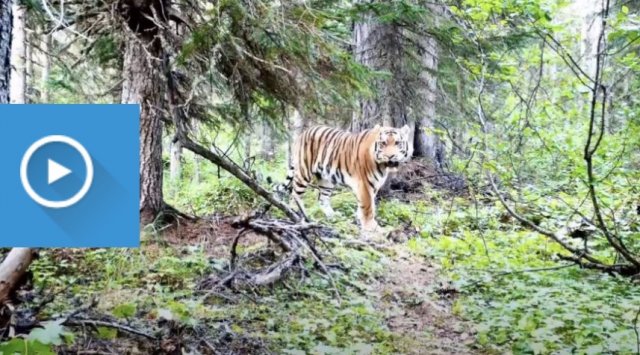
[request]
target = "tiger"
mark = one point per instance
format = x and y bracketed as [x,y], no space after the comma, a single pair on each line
[335,157]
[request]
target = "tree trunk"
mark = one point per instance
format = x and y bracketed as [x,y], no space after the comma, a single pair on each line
[248,142]
[380,47]
[175,164]
[5,50]
[46,69]
[18,88]
[29,70]
[297,124]
[267,146]
[196,158]
[143,85]
[426,143]
[13,267]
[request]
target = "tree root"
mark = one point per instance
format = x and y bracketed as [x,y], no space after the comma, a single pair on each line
[296,242]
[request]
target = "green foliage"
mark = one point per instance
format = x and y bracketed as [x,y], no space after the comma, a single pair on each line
[268,55]
[125,310]
[50,333]
[39,341]
[25,347]
[560,310]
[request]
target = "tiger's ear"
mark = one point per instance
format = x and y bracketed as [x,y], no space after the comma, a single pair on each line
[405,130]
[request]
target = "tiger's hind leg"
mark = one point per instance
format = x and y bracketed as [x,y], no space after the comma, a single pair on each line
[326,188]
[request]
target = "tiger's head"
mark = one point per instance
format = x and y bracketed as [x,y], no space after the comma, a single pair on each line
[392,146]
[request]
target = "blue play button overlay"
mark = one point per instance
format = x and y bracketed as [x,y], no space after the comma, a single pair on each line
[56,171]
[72,172]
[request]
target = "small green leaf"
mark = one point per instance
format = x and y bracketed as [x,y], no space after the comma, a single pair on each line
[107,333]
[50,333]
[125,310]
[24,346]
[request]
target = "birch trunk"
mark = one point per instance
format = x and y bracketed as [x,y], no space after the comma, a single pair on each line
[18,81]
[13,267]
[267,146]
[16,263]
[5,50]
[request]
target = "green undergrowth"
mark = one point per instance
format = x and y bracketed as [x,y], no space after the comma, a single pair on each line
[159,282]
[512,285]
[507,280]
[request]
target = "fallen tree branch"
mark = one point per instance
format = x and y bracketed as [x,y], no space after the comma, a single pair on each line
[12,269]
[101,323]
[189,144]
[537,228]
[622,269]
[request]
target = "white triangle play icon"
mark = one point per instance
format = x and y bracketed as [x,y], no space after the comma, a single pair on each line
[56,171]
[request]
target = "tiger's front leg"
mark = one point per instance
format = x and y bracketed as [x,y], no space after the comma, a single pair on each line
[367,209]
[326,188]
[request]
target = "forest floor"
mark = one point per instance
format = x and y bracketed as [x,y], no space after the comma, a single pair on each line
[424,320]
[418,318]
[456,276]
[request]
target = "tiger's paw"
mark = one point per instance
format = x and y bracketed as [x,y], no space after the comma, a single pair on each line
[373,232]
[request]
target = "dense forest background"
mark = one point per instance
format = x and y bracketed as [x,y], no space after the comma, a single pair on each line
[515,227]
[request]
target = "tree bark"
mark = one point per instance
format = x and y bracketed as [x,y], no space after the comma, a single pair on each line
[46,69]
[297,124]
[380,47]
[196,158]
[18,87]
[143,85]
[426,143]
[5,50]
[29,69]
[13,267]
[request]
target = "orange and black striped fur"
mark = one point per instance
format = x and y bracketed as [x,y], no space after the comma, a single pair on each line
[361,161]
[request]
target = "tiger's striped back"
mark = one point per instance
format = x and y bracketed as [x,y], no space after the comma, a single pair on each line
[332,154]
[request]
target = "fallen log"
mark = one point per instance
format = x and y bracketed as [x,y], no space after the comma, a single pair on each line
[12,269]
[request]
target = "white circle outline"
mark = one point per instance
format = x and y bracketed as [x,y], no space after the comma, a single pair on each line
[60,139]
